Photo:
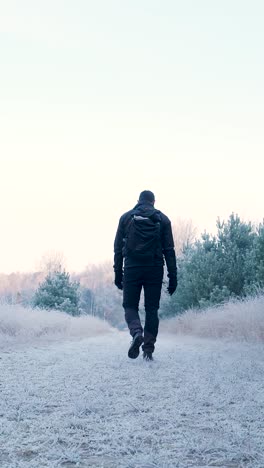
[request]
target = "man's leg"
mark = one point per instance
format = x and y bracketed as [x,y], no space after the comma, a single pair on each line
[152,289]
[132,285]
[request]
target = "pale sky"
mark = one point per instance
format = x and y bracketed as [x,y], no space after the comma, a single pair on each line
[102,99]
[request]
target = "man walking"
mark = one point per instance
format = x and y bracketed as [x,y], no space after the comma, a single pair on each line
[143,239]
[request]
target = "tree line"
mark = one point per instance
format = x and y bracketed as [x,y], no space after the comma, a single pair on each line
[211,270]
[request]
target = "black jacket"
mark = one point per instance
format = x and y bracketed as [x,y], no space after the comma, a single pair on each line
[165,250]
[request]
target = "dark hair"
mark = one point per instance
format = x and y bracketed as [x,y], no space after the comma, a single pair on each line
[147,196]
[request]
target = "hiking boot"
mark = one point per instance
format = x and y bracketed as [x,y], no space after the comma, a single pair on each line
[147,356]
[137,341]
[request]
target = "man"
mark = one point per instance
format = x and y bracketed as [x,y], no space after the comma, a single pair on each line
[143,239]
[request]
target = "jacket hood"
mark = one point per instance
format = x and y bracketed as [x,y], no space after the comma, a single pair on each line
[147,209]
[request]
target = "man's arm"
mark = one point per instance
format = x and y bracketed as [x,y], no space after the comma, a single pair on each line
[170,257]
[118,255]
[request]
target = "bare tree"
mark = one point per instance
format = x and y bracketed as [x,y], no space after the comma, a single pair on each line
[95,276]
[52,261]
[184,233]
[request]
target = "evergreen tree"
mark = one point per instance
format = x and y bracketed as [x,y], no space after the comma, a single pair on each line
[59,293]
[217,268]
[259,256]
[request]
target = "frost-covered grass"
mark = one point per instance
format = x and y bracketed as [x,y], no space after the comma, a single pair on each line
[85,404]
[77,403]
[242,320]
[21,325]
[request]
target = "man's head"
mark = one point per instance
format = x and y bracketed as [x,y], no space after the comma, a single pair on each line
[147,196]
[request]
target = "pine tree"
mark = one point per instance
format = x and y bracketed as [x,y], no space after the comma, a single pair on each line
[217,268]
[57,292]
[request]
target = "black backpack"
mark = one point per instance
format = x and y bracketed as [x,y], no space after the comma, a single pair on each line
[143,238]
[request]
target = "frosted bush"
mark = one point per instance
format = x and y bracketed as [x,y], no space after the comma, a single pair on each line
[18,324]
[241,320]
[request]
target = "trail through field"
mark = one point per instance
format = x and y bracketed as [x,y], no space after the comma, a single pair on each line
[86,404]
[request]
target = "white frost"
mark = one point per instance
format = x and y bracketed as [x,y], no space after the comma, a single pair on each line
[19,325]
[85,404]
[240,320]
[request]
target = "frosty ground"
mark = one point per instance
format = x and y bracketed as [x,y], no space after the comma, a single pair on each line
[83,403]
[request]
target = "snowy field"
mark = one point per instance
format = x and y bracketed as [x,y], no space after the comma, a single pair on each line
[69,401]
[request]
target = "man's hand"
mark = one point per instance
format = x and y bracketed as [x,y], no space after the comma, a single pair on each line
[172,286]
[119,280]
[119,285]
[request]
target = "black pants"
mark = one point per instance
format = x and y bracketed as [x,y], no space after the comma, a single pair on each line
[150,278]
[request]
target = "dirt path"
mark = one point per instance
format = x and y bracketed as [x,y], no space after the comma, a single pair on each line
[85,404]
